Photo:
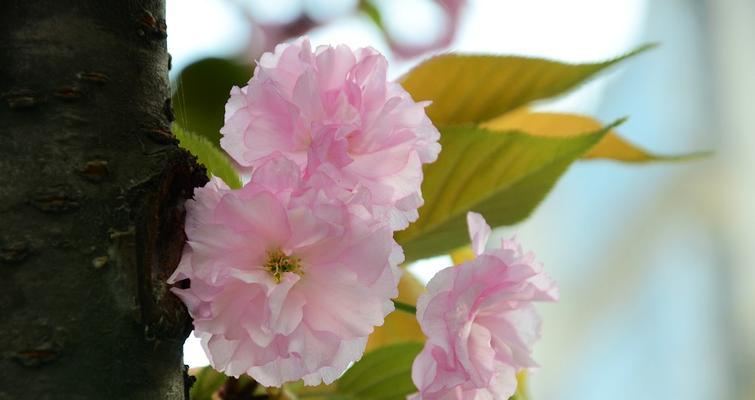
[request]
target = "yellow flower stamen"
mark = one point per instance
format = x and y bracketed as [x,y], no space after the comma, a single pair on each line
[279,263]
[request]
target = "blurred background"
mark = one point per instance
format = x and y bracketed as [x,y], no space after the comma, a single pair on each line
[655,261]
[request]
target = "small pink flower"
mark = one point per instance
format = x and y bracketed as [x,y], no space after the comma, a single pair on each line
[332,112]
[480,322]
[284,284]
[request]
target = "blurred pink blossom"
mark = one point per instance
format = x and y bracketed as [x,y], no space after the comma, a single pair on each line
[480,322]
[452,9]
[332,111]
[266,35]
[285,284]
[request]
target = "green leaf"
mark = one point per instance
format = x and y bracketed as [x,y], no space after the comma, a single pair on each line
[208,381]
[384,374]
[373,12]
[202,90]
[502,175]
[474,88]
[214,160]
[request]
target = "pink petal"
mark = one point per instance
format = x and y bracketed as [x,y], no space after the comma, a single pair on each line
[479,231]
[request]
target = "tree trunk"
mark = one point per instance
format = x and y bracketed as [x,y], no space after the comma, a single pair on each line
[92,187]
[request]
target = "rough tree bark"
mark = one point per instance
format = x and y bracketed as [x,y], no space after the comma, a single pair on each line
[92,187]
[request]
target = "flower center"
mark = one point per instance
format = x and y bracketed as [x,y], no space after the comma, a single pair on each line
[279,263]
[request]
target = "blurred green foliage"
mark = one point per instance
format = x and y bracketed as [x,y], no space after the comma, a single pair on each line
[202,89]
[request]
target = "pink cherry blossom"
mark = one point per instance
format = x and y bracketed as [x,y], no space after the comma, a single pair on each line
[285,284]
[332,111]
[480,322]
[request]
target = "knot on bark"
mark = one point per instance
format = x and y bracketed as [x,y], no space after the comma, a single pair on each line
[158,210]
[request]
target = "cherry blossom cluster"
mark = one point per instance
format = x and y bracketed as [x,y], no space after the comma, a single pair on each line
[480,322]
[290,274]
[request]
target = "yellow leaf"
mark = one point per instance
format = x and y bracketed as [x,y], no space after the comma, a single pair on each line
[614,147]
[611,146]
[400,326]
[462,255]
[521,387]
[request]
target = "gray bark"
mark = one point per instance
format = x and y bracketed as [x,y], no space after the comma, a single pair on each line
[92,187]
